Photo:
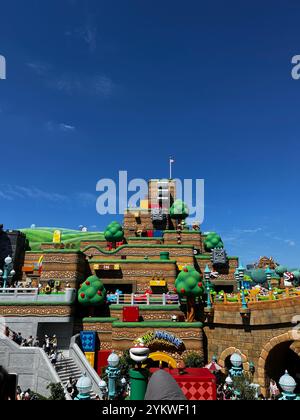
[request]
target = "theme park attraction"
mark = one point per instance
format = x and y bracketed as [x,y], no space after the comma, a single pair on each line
[157,288]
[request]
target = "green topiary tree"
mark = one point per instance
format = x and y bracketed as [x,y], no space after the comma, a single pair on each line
[212,241]
[92,292]
[258,276]
[179,211]
[194,360]
[114,233]
[189,285]
[242,384]
[280,270]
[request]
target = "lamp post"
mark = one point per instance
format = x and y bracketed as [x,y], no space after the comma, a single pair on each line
[8,272]
[288,386]
[269,278]
[237,365]
[84,386]
[241,271]
[237,278]
[103,390]
[207,274]
[113,373]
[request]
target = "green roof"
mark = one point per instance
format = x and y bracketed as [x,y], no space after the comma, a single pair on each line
[99,320]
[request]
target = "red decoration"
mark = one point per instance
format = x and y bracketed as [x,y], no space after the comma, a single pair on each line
[196,384]
[182,291]
[185,270]
[200,284]
[99,293]
[88,283]
[82,295]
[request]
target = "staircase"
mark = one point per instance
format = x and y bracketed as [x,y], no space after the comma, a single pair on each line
[66,369]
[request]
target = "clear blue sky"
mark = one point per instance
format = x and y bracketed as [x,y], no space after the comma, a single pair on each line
[97,86]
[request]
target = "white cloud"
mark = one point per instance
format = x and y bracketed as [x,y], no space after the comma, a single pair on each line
[96,85]
[13,192]
[290,242]
[38,68]
[67,127]
[53,126]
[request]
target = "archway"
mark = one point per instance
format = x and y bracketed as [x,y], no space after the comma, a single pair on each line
[281,358]
[224,360]
[281,353]
[163,358]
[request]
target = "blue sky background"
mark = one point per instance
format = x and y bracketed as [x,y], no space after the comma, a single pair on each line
[94,87]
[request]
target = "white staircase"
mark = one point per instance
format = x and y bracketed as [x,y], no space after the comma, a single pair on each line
[66,369]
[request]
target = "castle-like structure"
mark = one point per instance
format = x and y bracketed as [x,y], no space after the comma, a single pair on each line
[141,271]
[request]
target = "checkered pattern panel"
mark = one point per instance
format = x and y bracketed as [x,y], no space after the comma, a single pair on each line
[199,391]
[88,341]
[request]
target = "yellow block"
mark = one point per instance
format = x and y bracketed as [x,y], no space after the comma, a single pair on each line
[117,267]
[155,283]
[90,356]
[144,204]
[181,266]
[57,237]
[96,266]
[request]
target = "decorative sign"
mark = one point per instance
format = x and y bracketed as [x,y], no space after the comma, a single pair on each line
[57,237]
[157,283]
[161,336]
[88,341]
[219,256]
[107,267]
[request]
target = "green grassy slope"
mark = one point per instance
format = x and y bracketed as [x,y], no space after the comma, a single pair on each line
[41,235]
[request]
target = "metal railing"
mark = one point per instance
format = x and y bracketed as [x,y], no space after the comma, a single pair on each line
[254,296]
[146,299]
[20,291]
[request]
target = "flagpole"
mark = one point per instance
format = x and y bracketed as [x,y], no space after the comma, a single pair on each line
[170,168]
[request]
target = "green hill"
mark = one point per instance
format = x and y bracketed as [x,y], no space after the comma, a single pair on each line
[37,236]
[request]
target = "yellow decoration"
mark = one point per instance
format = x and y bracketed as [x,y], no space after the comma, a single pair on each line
[57,237]
[163,357]
[90,356]
[117,267]
[144,204]
[155,283]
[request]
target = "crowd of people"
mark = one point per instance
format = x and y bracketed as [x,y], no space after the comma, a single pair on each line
[18,338]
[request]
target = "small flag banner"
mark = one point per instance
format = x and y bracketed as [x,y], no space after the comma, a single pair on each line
[88,341]
[90,356]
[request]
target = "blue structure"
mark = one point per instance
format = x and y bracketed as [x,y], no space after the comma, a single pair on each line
[237,365]
[88,341]
[113,373]
[207,273]
[241,271]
